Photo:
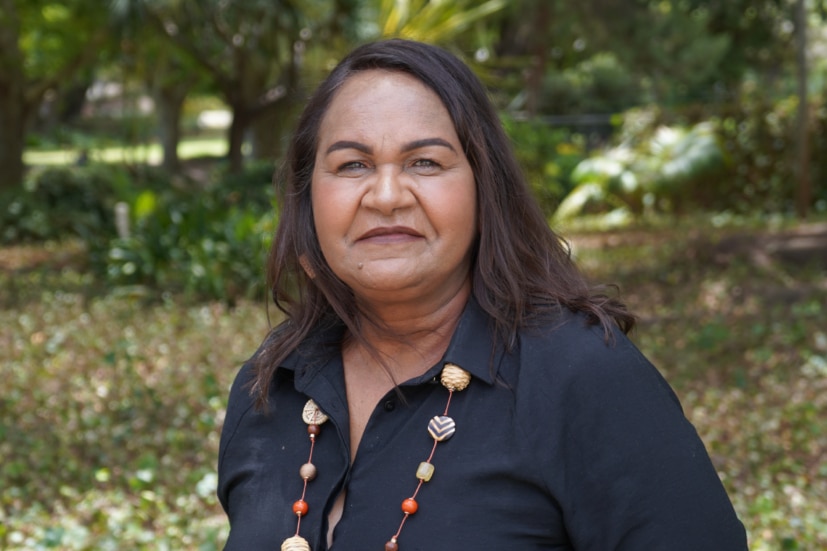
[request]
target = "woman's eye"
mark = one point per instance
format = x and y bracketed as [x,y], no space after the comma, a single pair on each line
[425,165]
[351,167]
[424,162]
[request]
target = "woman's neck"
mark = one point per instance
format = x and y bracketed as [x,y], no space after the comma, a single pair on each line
[406,339]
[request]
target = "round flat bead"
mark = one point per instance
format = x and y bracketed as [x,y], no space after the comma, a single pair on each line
[391,546]
[425,471]
[441,428]
[296,543]
[307,471]
[454,378]
[312,415]
[410,506]
[300,508]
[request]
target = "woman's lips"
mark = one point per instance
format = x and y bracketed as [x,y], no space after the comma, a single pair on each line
[390,234]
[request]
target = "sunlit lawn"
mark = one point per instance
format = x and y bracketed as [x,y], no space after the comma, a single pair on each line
[149,153]
[112,401]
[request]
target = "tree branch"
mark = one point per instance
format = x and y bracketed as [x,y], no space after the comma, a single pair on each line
[36,90]
[187,47]
[10,59]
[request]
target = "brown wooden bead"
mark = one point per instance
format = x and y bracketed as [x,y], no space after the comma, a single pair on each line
[314,430]
[392,545]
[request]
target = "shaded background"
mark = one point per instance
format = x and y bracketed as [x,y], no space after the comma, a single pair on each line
[679,145]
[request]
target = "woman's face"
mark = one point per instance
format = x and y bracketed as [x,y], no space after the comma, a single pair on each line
[394,197]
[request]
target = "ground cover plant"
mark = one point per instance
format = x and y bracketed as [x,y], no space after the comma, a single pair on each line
[113,397]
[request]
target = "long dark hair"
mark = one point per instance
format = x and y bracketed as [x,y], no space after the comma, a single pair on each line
[522,271]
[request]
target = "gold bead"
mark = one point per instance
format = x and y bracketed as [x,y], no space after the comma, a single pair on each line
[312,415]
[296,543]
[454,378]
[425,471]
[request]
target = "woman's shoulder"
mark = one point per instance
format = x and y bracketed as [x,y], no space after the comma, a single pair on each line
[570,354]
[240,401]
[575,338]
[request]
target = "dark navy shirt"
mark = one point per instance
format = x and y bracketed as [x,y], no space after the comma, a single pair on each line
[565,442]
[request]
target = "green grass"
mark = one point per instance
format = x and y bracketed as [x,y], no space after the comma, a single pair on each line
[113,400]
[150,153]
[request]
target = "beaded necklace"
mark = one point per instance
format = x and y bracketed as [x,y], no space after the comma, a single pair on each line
[440,427]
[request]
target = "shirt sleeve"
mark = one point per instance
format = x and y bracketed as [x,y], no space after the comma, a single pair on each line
[239,403]
[637,475]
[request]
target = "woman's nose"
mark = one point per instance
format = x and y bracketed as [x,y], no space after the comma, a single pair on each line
[389,190]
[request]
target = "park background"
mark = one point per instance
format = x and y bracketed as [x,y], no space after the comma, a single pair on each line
[679,145]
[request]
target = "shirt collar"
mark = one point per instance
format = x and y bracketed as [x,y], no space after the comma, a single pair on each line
[471,348]
[472,345]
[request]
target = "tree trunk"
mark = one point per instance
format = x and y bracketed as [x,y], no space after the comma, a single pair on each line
[13,106]
[12,134]
[170,101]
[539,57]
[803,192]
[266,135]
[237,130]
[269,129]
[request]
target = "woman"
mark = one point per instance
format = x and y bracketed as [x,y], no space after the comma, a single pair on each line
[444,377]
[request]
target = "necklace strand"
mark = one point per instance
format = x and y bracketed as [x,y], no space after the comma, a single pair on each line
[441,428]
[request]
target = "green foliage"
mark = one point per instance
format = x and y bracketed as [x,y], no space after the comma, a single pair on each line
[432,21]
[665,169]
[758,136]
[52,35]
[61,202]
[599,84]
[209,242]
[548,156]
[109,419]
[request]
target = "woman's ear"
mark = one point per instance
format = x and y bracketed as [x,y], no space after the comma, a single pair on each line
[305,264]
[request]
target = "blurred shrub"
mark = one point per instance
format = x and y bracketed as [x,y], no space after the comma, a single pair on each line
[600,84]
[656,167]
[207,239]
[73,201]
[207,243]
[548,156]
[60,202]
[739,157]
[249,188]
[758,136]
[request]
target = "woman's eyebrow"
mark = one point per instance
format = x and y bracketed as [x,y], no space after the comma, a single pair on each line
[346,144]
[410,146]
[416,144]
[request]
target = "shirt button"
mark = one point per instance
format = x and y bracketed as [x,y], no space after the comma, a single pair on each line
[390,405]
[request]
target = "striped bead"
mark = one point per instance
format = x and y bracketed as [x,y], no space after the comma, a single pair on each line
[441,428]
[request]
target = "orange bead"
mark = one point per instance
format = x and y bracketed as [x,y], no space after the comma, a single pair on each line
[409,506]
[391,546]
[300,508]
